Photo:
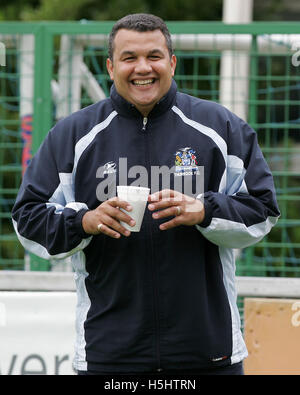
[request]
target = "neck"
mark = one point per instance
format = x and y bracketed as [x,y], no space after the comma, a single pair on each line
[145,111]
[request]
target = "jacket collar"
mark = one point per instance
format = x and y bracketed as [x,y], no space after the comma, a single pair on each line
[127,109]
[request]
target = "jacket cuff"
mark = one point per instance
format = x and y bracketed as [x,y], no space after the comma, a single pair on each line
[208,212]
[78,223]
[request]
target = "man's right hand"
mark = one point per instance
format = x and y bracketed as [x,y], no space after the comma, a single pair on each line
[108,215]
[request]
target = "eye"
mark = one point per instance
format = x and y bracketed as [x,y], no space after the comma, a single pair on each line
[129,58]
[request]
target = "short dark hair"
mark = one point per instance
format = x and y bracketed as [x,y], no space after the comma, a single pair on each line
[139,23]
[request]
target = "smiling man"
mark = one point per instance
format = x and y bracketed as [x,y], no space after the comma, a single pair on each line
[161,300]
[141,67]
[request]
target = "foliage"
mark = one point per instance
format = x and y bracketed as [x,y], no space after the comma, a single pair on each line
[29,10]
[32,10]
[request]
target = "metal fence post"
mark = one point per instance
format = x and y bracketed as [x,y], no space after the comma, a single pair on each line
[42,104]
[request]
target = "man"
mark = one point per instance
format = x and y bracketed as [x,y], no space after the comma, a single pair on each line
[162,299]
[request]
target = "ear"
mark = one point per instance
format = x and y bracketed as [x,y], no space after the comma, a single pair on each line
[173,64]
[110,68]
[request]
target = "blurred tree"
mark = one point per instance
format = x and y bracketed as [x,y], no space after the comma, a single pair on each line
[30,10]
[11,9]
[60,10]
[186,10]
[275,10]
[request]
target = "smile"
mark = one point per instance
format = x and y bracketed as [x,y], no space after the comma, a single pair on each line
[143,82]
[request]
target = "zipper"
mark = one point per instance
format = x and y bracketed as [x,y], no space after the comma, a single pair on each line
[154,269]
[145,121]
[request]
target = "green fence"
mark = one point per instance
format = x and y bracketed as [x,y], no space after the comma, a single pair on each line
[53,69]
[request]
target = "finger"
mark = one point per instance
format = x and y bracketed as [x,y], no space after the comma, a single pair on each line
[171,211]
[107,231]
[164,194]
[116,202]
[112,227]
[119,215]
[164,203]
[171,224]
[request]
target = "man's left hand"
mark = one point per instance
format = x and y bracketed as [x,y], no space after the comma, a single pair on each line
[185,209]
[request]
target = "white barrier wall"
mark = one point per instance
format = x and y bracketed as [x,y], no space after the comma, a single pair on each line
[37,318]
[37,333]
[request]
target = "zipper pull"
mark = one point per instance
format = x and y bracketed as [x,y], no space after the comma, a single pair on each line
[145,120]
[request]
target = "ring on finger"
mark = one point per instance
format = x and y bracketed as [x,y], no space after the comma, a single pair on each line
[99,227]
[178,208]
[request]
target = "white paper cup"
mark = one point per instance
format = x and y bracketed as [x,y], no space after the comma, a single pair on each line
[137,197]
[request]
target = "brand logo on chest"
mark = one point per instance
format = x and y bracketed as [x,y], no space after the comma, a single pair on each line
[186,162]
[110,168]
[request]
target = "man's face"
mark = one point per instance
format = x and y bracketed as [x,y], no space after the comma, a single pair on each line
[141,69]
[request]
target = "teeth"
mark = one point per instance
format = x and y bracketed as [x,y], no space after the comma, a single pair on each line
[144,82]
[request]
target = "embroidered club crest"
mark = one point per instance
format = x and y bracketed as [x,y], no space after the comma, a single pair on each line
[186,162]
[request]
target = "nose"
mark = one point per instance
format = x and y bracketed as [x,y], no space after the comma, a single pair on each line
[143,66]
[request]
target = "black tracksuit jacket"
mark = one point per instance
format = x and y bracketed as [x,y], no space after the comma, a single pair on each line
[157,299]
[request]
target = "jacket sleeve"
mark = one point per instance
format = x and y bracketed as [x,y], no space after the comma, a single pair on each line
[45,216]
[244,209]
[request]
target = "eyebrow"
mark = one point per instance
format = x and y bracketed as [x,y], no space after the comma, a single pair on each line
[126,53]
[156,51]
[132,53]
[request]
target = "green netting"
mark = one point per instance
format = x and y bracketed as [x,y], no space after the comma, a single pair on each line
[271,101]
[11,147]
